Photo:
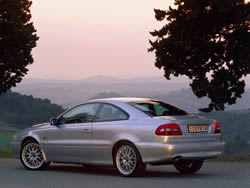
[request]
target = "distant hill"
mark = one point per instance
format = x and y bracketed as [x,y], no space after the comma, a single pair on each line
[183,98]
[71,92]
[105,95]
[21,111]
[186,100]
[68,93]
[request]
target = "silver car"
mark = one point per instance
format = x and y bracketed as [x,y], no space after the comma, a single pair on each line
[127,133]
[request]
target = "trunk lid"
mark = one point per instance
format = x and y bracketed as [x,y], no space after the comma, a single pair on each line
[191,124]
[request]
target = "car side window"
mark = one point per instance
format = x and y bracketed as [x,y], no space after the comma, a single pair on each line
[147,108]
[110,113]
[80,114]
[160,110]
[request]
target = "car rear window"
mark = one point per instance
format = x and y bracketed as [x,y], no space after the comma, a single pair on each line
[157,108]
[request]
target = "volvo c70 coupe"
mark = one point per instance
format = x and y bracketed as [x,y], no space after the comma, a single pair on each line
[127,133]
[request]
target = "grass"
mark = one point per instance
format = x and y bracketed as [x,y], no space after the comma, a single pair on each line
[5,139]
[4,154]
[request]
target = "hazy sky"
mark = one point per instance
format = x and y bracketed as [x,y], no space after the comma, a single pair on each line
[82,38]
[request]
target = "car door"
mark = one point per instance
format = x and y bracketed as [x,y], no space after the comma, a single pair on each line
[69,141]
[109,120]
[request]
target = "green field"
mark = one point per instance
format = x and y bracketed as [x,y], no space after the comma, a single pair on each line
[5,139]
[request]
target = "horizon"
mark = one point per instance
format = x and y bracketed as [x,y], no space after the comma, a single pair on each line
[180,78]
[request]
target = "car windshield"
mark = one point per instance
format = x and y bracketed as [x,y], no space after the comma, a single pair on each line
[157,108]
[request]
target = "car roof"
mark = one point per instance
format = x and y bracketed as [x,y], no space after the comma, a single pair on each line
[122,103]
[121,99]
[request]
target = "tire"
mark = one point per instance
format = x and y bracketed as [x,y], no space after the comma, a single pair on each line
[189,166]
[127,161]
[32,156]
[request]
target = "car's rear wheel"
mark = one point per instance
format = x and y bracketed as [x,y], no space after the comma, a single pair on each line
[128,161]
[32,156]
[188,166]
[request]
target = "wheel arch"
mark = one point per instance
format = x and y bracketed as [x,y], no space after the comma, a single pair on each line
[119,143]
[28,138]
[139,168]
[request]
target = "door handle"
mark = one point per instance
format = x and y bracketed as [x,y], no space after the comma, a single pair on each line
[86,131]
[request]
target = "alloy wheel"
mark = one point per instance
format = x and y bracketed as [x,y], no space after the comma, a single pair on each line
[126,160]
[32,156]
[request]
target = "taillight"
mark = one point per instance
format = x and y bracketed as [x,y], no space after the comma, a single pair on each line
[217,128]
[168,129]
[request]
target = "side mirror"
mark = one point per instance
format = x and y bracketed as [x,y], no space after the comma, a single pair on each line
[53,121]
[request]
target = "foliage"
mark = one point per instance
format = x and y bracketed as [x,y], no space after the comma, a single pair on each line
[4,154]
[5,139]
[235,130]
[22,111]
[208,41]
[8,128]
[17,38]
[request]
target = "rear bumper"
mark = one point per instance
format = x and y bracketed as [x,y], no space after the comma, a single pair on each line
[154,152]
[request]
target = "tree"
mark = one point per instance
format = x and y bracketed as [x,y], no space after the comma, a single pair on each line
[17,38]
[209,42]
[22,111]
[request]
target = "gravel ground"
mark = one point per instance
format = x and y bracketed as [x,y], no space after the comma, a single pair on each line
[212,175]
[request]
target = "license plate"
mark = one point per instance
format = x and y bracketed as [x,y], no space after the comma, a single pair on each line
[197,128]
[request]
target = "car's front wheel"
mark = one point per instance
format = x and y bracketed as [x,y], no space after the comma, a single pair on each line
[188,166]
[128,161]
[32,156]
